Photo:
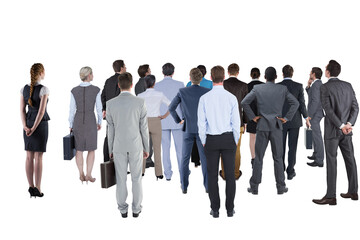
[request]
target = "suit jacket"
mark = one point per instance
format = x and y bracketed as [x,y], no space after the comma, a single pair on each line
[297,90]
[239,89]
[170,88]
[314,104]
[188,98]
[140,86]
[270,99]
[253,105]
[127,124]
[110,90]
[340,106]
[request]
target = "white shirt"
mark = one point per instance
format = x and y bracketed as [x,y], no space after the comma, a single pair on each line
[153,100]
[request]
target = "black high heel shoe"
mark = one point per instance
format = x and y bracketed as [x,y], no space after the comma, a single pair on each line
[31,191]
[161,177]
[37,193]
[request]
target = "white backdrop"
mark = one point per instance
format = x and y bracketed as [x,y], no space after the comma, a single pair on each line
[67,35]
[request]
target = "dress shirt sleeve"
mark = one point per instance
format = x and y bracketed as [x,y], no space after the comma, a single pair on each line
[44,91]
[98,108]
[72,110]
[110,129]
[172,107]
[202,122]
[326,104]
[235,120]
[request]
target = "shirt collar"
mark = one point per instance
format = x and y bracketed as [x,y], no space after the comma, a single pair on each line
[218,87]
[85,84]
[314,81]
[287,78]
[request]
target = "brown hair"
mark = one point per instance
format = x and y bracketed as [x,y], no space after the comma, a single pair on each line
[35,72]
[334,68]
[218,74]
[195,75]
[255,73]
[117,65]
[125,81]
[233,69]
[143,69]
[288,71]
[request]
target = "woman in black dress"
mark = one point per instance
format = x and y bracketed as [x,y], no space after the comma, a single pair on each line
[34,96]
[251,126]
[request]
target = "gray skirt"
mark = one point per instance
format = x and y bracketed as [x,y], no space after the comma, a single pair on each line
[85,131]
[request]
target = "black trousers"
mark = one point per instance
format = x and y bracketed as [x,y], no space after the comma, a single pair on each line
[292,145]
[347,150]
[225,146]
[195,157]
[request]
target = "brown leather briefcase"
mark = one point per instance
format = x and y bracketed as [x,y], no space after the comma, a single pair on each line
[107,174]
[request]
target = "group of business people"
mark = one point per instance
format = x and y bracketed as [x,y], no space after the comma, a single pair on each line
[207,121]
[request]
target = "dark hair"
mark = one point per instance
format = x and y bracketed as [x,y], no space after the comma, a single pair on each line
[149,81]
[202,68]
[117,65]
[217,74]
[233,69]
[168,69]
[125,81]
[334,68]
[288,71]
[143,69]
[196,75]
[318,72]
[270,74]
[255,73]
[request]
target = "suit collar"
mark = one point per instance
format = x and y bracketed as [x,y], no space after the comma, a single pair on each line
[288,78]
[125,93]
[333,78]
[168,78]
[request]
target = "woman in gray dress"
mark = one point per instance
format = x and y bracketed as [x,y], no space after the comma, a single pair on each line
[83,121]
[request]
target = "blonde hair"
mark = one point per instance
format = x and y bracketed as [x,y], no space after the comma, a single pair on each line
[36,70]
[85,72]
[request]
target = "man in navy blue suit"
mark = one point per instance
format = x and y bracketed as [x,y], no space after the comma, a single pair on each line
[188,98]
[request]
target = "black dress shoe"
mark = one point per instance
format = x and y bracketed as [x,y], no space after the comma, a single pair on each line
[353,196]
[311,157]
[135,215]
[315,164]
[253,191]
[324,201]
[215,214]
[124,215]
[291,176]
[161,177]
[282,191]
[230,213]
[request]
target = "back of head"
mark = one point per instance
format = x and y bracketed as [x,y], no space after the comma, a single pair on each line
[233,69]
[142,70]
[36,70]
[84,73]
[117,65]
[288,71]
[217,74]
[150,81]
[334,68]
[195,75]
[255,73]
[168,69]
[318,72]
[202,68]
[125,81]
[270,74]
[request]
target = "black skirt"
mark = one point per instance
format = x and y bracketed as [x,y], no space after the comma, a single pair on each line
[251,127]
[38,140]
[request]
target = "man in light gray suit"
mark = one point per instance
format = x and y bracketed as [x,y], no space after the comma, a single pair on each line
[270,99]
[315,113]
[128,138]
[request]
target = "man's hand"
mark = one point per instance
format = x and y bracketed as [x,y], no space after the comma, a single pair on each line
[104,114]
[256,119]
[145,155]
[182,121]
[309,82]
[308,124]
[111,156]
[346,129]
[282,119]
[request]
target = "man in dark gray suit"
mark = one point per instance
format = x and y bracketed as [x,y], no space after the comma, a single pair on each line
[341,110]
[291,128]
[270,99]
[315,113]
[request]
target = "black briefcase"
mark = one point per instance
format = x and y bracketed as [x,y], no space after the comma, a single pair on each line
[308,138]
[69,146]
[107,174]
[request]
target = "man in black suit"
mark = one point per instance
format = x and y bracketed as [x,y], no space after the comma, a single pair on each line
[315,113]
[239,89]
[341,111]
[292,127]
[140,87]
[111,90]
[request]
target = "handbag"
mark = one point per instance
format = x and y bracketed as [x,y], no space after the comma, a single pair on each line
[69,146]
[308,138]
[107,171]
